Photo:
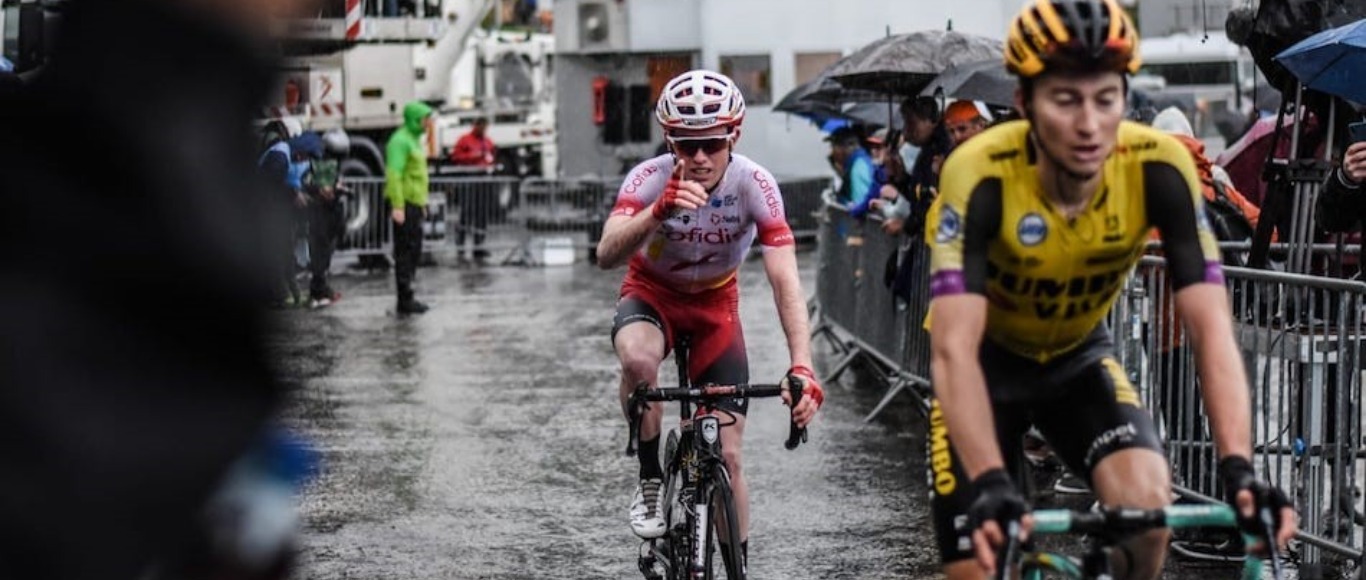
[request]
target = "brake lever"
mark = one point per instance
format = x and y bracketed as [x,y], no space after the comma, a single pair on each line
[1009,551]
[1268,520]
[795,435]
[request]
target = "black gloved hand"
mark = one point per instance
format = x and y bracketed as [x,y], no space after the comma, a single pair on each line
[995,498]
[1237,474]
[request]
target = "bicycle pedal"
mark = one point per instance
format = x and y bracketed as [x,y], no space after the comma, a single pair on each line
[646,561]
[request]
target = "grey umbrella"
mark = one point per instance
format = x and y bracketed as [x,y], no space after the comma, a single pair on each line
[904,63]
[983,80]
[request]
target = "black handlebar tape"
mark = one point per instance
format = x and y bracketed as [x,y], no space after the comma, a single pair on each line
[795,435]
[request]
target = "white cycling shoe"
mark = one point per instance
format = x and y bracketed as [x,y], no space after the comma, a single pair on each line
[646,520]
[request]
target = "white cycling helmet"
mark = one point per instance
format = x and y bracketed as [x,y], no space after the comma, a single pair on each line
[700,99]
[336,142]
[293,127]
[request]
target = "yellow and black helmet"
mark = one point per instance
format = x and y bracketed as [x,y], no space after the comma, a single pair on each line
[1093,34]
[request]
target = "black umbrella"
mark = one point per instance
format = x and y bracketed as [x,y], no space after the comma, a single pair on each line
[823,108]
[983,80]
[903,64]
[797,103]
[875,114]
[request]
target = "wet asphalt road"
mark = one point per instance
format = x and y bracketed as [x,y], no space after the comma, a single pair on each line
[483,440]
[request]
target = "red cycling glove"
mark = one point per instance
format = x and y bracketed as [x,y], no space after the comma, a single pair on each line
[810,386]
[665,204]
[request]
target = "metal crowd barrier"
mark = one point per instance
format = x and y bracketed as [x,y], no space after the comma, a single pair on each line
[507,220]
[1302,339]
[479,219]
[803,200]
[857,310]
[369,229]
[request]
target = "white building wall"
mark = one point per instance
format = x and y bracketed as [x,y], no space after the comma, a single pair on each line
[789,146]
[782,28]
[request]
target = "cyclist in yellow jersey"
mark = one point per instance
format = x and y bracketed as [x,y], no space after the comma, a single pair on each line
[1038,224]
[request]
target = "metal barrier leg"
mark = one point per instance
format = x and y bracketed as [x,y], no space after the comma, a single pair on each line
[899,385]
[826,331]
[853,353]
[519,256]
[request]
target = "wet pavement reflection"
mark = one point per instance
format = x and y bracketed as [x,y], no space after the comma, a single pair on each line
[483,440]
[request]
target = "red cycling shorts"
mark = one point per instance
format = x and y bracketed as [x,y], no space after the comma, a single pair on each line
[711,320]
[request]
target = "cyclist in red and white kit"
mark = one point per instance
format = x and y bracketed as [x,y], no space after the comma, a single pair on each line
[683,222]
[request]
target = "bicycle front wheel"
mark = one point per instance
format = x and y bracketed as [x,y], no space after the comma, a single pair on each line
[674,545]
[723,498]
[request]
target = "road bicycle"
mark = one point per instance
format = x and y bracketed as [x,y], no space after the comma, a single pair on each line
[697,499]
[1106,527]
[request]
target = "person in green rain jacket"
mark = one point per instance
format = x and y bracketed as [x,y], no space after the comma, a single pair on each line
[405,186]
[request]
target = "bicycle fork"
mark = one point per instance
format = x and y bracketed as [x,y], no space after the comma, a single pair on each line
[708,446]
[701,526]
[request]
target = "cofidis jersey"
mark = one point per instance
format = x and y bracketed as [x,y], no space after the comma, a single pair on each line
[698,250]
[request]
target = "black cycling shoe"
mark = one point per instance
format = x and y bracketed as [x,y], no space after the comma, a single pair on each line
[411,307]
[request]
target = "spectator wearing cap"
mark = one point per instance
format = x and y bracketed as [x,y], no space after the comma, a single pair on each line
[883,162]
[965,119]
[877,147]
[855,167]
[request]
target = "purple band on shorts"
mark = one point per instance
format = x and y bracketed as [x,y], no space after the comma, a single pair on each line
[1214,273]
[947,282]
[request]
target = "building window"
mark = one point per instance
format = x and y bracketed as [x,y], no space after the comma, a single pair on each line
[752,73]
[810,64]
[663,68]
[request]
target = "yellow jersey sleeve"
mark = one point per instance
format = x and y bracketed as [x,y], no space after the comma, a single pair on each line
[1176,207]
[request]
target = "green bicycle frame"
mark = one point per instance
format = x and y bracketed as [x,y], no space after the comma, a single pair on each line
[1033,564]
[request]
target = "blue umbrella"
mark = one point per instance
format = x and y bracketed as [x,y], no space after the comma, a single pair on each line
[1331,61]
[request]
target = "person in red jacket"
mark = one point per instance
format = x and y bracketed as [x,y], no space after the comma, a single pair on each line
[474,149]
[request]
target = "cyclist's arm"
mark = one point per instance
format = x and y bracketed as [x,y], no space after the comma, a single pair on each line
[1223,380]
[1177,209]
[957,325]
[622,236]
[631,222]
[968,216]
[764,204]
[780,263]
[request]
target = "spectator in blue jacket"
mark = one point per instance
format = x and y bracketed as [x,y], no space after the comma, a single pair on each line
[855,167]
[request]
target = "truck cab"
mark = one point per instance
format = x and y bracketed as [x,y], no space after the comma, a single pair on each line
[1208,74]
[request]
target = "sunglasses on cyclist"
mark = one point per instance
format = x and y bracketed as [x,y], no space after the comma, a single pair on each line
[689,147]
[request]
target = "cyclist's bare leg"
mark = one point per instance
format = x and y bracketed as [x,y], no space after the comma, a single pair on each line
[731,438]
[1136,478]
[964,570]
[640,349]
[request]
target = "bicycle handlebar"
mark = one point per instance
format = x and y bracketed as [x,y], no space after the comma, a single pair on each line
[1118,522]
[635,405]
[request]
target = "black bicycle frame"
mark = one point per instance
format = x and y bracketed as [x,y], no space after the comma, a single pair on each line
[699,458]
